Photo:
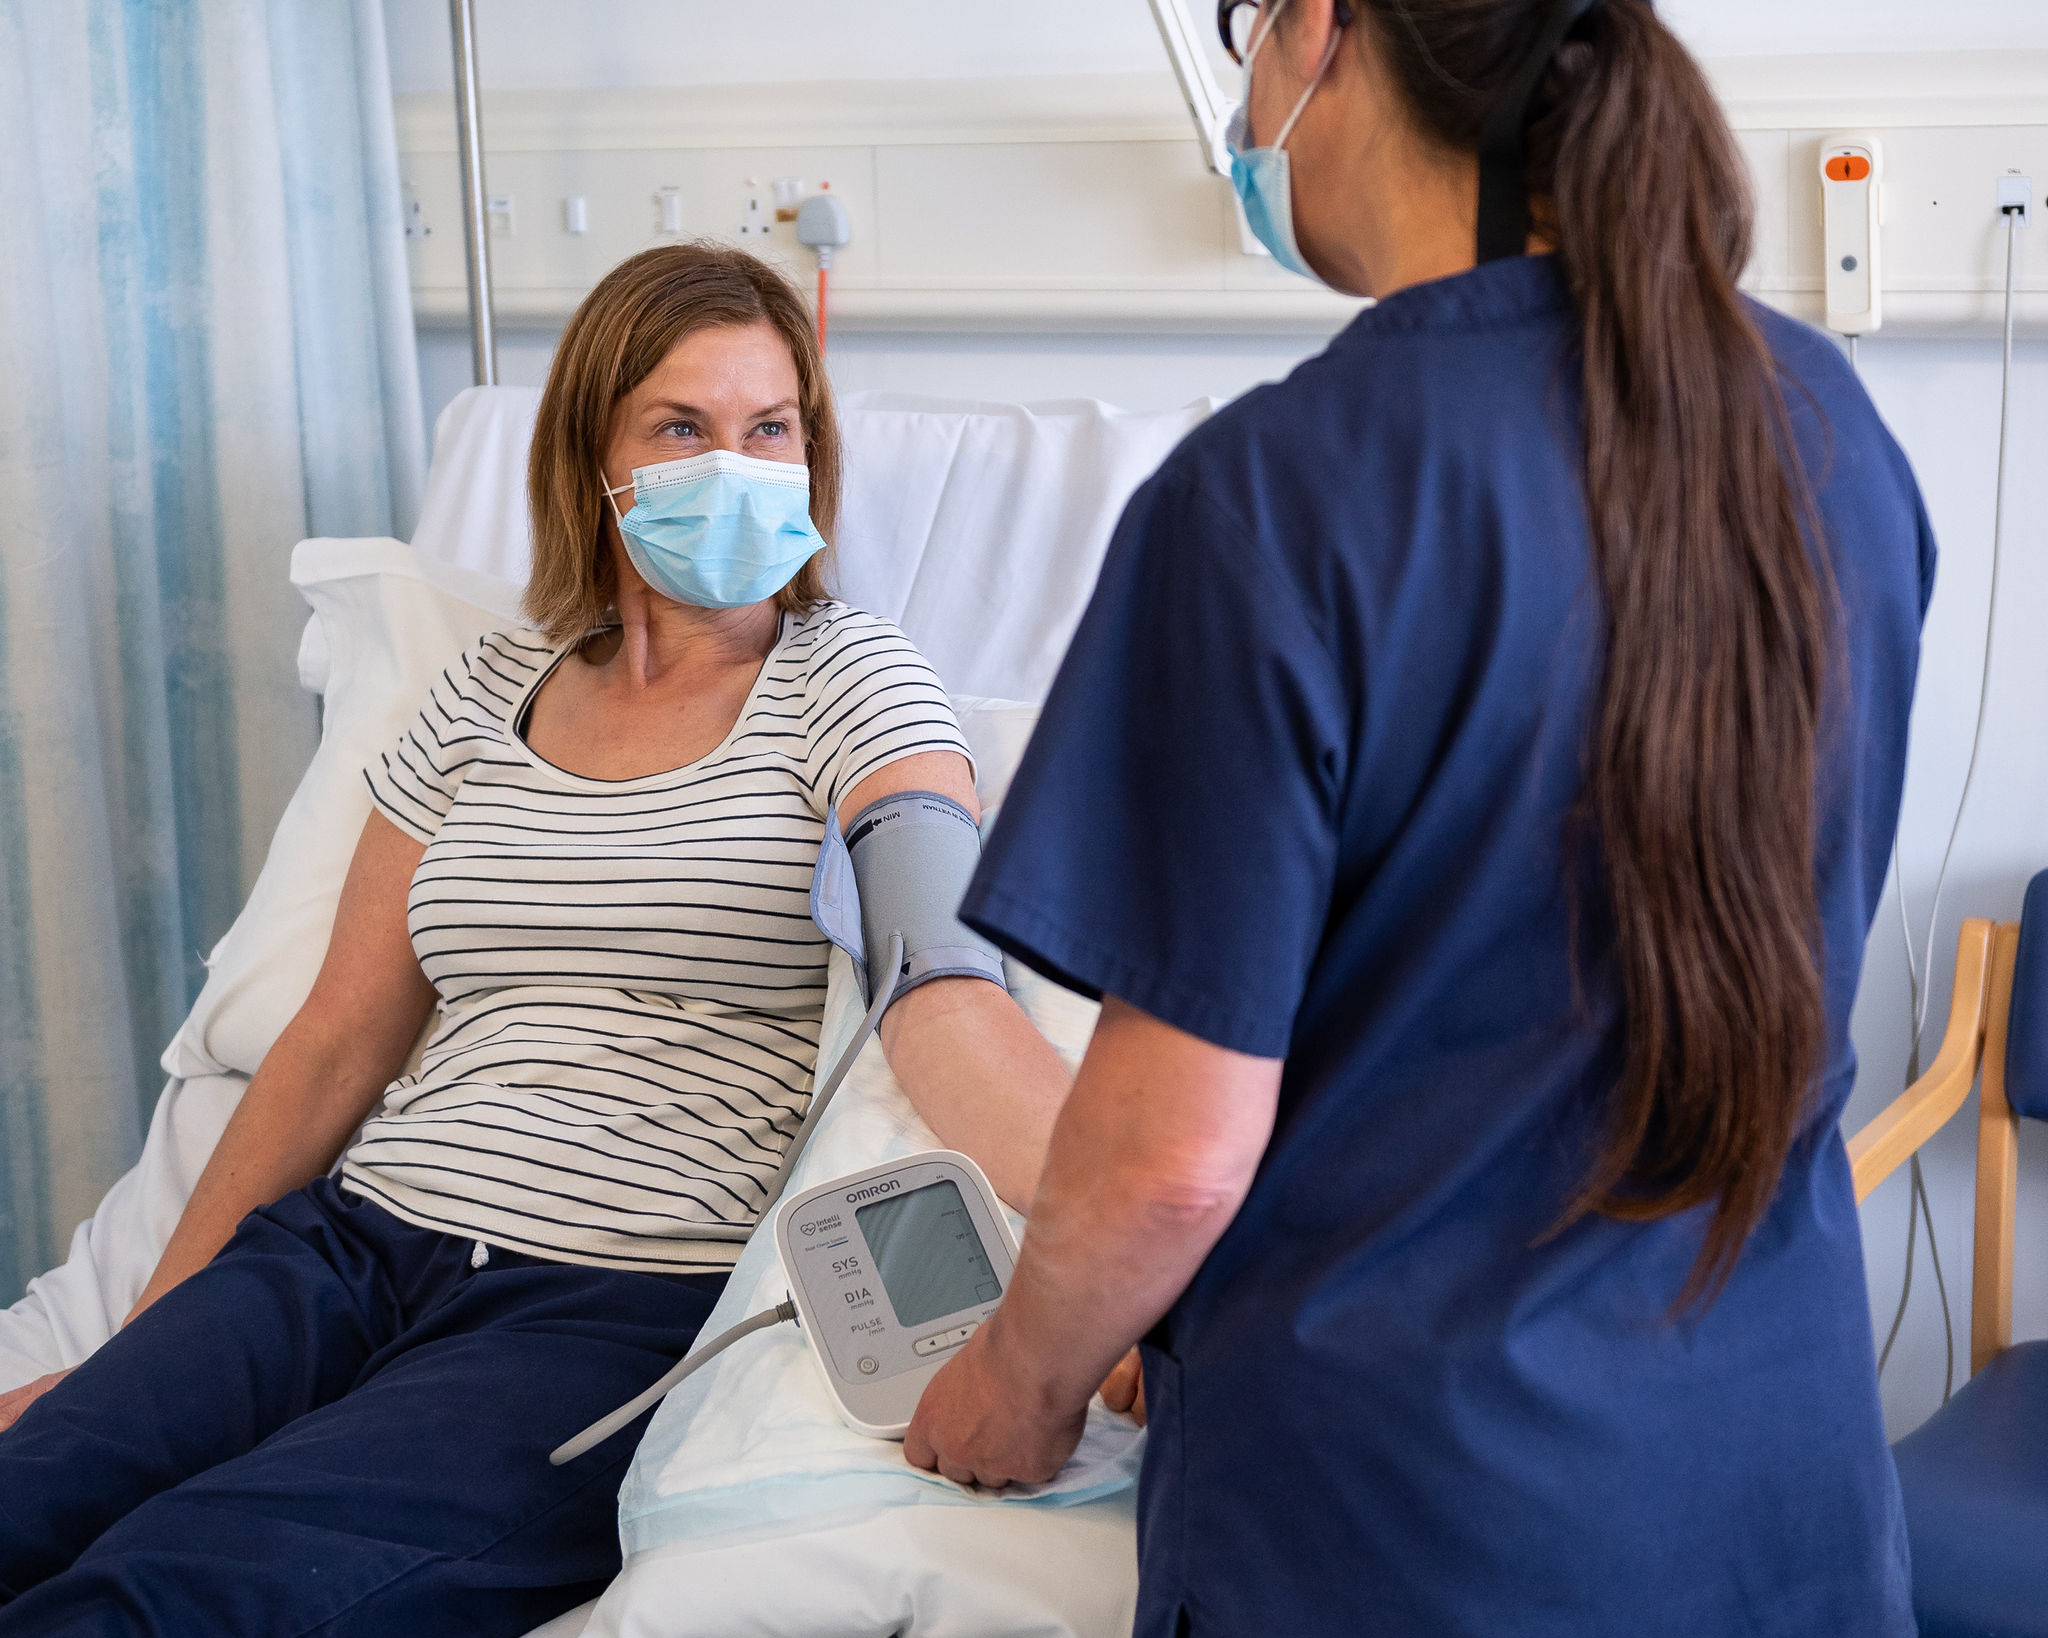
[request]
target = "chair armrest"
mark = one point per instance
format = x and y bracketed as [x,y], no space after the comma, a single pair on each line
[1920,1111]
[1997,1168]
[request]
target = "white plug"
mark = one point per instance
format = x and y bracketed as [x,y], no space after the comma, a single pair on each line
[823,225]
[1852,195]
[2016,198]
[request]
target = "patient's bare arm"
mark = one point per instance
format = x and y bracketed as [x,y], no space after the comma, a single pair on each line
[981,1075]
[328,1068]
[973,1065]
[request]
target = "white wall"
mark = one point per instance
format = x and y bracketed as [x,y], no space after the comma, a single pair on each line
[545,44]
[1941,398]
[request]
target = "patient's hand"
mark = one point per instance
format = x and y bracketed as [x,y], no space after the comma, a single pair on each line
[1123,1390]
[13,1404]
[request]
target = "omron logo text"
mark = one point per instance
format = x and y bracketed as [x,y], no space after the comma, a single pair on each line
[888,1185]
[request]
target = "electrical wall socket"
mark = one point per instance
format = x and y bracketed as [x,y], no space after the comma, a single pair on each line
[2017,190]
[498,211]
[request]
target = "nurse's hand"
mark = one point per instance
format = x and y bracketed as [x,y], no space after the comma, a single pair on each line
[1123,1390]
[978,1428]
[13,1404]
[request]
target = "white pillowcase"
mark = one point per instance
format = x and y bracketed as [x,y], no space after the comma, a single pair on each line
[385,621]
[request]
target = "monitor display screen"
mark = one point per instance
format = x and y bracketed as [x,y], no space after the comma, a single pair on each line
[927,1253]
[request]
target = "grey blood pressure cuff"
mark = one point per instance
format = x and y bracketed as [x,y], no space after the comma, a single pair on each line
[903,867]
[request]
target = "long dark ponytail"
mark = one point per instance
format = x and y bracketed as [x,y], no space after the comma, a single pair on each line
[1719,620]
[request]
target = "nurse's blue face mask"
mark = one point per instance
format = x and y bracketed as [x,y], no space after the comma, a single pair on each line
[718,530]
[1262,176]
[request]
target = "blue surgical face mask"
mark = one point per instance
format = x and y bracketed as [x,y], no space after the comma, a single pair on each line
[1262,176]
[719,530]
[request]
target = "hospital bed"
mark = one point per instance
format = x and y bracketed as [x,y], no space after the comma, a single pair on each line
[979,528]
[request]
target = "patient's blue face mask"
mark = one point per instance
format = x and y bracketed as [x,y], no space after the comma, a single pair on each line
[718,530]
[1262,176]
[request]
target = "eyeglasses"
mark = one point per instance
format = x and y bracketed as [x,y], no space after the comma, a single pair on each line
[1237,23]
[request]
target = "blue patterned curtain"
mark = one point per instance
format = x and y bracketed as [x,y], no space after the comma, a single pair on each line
[206,355]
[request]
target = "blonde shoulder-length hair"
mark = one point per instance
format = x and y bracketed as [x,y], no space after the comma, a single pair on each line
[625,327]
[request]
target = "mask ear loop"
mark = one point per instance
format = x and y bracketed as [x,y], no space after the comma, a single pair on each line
[1329,56]
[1301,107]
[611,494]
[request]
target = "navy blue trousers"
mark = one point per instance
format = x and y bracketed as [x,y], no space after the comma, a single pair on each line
[339,1427]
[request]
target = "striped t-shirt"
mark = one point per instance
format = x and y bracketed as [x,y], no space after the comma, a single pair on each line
[630,981]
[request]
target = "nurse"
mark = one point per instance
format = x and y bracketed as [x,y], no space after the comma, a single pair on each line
[1469,791]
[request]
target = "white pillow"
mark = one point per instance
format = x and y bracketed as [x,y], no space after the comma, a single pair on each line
[385,621]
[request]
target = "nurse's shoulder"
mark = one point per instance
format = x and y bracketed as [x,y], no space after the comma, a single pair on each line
[1869,499]
[1437,382]
[1821,382]
[1281,448]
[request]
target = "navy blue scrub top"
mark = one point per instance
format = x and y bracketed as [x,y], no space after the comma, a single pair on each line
[1301,790]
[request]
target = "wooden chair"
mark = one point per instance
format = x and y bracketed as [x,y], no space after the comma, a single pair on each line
[1975,1474]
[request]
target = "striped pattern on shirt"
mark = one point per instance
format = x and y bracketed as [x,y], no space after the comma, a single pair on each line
[631,984]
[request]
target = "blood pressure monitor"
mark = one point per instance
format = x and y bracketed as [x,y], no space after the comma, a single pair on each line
[891,1270]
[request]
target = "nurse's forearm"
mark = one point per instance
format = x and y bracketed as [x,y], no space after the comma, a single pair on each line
[1152,1157]
[986,1082]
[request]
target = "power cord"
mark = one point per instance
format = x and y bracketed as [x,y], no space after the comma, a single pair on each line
[1917,1203]
[599,1431]
[1918,1206]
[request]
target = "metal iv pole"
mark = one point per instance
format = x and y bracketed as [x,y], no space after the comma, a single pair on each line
[476,225]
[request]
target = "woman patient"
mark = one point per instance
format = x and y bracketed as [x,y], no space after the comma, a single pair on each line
[332,1406]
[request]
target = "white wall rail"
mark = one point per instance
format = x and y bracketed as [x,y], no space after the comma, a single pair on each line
[1082,204]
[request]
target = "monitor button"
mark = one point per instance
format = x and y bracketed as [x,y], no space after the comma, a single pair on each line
[939,1341]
